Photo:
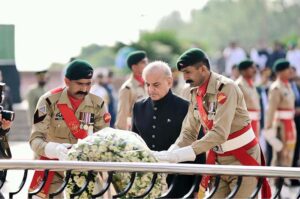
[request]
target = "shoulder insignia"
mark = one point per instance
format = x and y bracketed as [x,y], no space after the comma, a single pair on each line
[221,86]
[38,118]
[48,101]
[221,97]
[106,117]
[127,87]
[56,90]
[102,104]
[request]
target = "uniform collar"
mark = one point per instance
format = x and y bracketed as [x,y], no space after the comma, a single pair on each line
[212,83]
[135,83]
[64,99]
[163,100]
[248,82]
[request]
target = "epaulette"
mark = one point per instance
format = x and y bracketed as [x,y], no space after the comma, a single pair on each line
[221,87]
[56,90]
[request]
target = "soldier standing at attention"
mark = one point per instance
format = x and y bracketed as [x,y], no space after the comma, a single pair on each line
[63,116]
[280,129]
[132,89]
[218,104]
[247,71]
[36,92]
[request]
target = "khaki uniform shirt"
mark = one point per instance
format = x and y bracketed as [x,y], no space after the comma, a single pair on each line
[129,93]
[250,93]
[49,125]
[32,98]
[280,97]
[228,117]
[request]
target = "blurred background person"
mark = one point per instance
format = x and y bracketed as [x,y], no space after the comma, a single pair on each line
[36,91]
[108,85]
[131,90]
[293,56]
[247,70]
[7,102]
[233,55]
[99,89]
[295,84]
[277,53]
[279,127]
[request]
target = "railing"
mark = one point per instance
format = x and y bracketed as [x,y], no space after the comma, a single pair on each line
[111,167]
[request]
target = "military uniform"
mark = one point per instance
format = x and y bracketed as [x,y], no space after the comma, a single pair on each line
[33,97]
[280,118]
[251,97]
[129,93]
[50,126]
[227,115]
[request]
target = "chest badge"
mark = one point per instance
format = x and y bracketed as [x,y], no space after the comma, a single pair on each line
[58,116]
[212,110]
[221,97]
[168,120]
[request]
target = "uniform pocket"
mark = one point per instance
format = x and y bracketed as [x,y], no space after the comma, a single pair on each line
[60,129]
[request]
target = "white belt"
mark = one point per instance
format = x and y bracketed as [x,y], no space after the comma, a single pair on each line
[285,115]
[254,115]
[236,142]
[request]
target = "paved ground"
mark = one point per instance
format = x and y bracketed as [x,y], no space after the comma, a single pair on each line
[22,151]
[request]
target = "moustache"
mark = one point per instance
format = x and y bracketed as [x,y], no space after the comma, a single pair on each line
[81,93]
[189,81]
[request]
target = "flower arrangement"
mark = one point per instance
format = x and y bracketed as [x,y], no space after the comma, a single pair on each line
[111,145]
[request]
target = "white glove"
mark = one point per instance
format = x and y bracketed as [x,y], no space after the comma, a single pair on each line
[270,135]
[173,147]
[177,155]
[57,150]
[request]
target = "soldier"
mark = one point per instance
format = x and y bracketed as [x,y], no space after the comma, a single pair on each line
[36,92]
[63,116]
[247,70]
[280,129]
[132,89]
[218,104]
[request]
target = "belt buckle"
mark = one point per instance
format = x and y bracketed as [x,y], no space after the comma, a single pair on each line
[218,149]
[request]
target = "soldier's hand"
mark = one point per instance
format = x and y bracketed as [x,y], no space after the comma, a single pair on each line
[178,155]
[270,136]
[57,150]
[6,124]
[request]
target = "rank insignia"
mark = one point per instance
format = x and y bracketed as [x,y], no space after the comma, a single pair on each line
[106,117]
[58,116]
[42,110]
[221,97]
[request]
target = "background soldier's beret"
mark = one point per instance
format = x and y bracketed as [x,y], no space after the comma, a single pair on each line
[135,57]
[245,64]
[281,64]
[40,72]
[79,69]
[191,57]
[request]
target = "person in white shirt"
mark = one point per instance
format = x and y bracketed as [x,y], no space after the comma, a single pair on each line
[233,55]
[293,56]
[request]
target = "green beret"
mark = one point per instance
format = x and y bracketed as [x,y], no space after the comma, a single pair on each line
[245,64]
[191,57]
[135,57]
[79,69]
[280,65]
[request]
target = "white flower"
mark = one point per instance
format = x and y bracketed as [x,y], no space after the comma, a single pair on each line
[114,145]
